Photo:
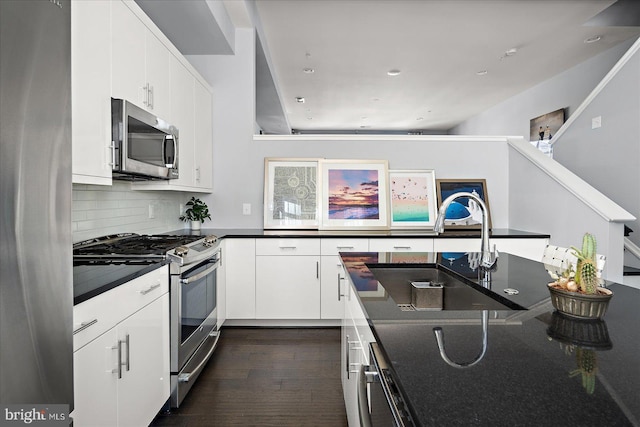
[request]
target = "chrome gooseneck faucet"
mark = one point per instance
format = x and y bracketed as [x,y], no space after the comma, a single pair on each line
[488,257]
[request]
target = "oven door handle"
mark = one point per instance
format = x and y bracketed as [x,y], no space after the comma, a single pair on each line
[200,275]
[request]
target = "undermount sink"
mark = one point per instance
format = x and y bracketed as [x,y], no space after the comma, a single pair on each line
[455,293]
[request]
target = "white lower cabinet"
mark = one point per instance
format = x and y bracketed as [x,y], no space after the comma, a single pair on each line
[332,275]
[287,288]
[356,336]
[240,268]
[121,377]
[531,248]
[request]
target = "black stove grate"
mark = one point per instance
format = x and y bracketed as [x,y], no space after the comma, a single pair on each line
[132,245]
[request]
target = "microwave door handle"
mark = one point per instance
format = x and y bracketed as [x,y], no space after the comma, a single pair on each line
[175,150]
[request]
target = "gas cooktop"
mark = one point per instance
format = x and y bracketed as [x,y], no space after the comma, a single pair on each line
[128,247]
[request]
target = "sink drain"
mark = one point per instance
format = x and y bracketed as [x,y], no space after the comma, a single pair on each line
[511,291]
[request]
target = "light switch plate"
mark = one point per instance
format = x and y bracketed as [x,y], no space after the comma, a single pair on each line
[246,209]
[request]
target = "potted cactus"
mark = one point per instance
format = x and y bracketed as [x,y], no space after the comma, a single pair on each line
[577,291]
[197,211]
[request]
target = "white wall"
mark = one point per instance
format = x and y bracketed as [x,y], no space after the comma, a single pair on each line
[608,157]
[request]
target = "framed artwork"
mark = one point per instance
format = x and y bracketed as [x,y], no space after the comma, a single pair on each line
[542,128]
[354,194]
[463,212]
[290,193]
[412,198]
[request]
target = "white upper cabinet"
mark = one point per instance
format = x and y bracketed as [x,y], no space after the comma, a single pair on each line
[118,52]
[128,70]
[203,124]
[91,91]
[140,71]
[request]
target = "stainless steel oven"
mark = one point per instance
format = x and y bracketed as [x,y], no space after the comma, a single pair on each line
[194,323]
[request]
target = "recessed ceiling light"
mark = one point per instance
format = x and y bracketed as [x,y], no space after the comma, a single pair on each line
[481,73]
[511,52]
[593,39]
[300,99]
[420,118]
[308,70]
[393,72]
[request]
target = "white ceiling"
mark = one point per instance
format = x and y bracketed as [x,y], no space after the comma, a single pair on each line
[438,46]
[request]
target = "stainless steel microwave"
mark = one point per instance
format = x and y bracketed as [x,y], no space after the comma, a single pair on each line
[144,146]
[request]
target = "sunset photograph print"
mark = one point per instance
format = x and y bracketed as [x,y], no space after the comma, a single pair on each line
[353,194]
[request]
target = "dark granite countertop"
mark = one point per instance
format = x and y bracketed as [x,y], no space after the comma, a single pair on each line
[529,374]
[259,233]
[92,280]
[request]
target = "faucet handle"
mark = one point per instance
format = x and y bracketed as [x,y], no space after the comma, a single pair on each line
[490,259]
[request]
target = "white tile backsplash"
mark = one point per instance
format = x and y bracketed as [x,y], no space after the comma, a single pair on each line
[101,210]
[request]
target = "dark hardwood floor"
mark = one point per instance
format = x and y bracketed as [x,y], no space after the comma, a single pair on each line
[267,377]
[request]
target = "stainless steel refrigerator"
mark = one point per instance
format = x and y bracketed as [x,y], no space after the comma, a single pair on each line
[36,276]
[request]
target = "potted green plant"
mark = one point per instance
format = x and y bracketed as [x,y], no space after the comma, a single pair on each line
[576,292]
[197,211]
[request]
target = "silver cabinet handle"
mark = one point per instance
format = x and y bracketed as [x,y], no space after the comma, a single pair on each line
[348,356]
[344,247]
[112,148]
[119,359]
[85,325]
[127,362]
[317,269]
[287,247]
[339,294]
[150,288]
[402,247]
[151,100]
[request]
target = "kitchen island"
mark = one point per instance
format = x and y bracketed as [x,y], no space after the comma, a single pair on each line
[528,373]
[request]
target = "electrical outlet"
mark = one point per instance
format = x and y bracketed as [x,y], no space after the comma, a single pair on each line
[246,209]
[596,122]
[152,211]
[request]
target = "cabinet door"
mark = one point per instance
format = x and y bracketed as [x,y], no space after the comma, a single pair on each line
[128,68]
[331,287]
[288,287]
[203,141]
[240,257]
[144,386]
[158,76]
[91,91]
[182,116]
[95,382]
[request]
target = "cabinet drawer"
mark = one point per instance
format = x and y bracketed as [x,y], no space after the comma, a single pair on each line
[288,246]
[101,313]
[334,246]
[398,245]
